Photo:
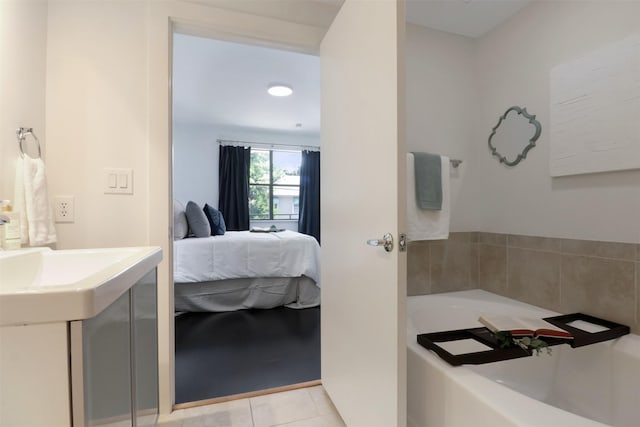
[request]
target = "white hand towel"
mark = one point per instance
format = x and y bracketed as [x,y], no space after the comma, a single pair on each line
[426,224]
[32,200]
[19,203]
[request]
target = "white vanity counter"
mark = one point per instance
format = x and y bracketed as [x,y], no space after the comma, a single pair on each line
[78,337]
[44,286]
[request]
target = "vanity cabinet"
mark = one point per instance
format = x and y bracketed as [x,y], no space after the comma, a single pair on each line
[34,375]
[101,370]
[114,361]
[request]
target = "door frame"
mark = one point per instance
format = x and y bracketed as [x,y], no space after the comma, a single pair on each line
[164,19]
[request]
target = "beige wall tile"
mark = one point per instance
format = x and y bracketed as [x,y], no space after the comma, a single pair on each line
[599,249]
[598,278]
[492,268]
[460,237]
[450,264]
[473,261]
[600,287]
[492,238]
[533,242]
[418,282]
[534,277]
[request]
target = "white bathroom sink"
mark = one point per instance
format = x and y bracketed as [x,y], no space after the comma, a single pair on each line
[43,285]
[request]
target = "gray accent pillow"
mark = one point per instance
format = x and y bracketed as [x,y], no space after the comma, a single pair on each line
[180,225]
[198,222]
[216,221]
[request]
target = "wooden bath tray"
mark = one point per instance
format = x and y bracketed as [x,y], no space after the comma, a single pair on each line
[495,353]
[581,337]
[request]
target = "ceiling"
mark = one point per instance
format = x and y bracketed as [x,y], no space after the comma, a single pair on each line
[471,18]
[224,84]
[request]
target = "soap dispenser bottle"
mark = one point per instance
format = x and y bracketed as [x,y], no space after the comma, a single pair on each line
[11,237]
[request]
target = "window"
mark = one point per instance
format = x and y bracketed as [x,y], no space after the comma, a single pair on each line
[274,184]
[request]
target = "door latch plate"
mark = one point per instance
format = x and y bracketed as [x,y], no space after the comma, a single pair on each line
[402,242]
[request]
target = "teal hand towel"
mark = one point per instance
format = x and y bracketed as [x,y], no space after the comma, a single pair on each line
[428,174]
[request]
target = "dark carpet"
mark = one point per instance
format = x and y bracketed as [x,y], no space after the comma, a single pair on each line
[221,354]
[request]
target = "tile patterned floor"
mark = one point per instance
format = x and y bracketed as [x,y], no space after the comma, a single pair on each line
[305,407]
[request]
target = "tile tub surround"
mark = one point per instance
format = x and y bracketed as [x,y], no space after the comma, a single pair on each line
[564,275]
[442,265]
[305,407]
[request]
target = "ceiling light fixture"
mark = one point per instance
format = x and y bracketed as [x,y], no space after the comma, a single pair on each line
[279,89]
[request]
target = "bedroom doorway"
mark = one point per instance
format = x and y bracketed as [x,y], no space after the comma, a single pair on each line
[238,335]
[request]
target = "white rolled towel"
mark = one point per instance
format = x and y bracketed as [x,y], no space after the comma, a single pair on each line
[32,201]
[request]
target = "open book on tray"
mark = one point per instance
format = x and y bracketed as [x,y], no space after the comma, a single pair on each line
[522,326]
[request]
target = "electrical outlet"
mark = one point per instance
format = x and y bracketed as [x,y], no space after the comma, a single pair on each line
[64,209]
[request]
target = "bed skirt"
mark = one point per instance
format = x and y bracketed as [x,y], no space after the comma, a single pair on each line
[238,294]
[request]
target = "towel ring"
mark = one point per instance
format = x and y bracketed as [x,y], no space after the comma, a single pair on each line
[22,135]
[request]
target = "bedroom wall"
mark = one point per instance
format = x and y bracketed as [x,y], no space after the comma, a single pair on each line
[196,160]
[513,64]
[23,48]
[441,103]
[196,152]
[195,164]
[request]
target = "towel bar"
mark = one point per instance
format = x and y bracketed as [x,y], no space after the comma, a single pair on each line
[22,135]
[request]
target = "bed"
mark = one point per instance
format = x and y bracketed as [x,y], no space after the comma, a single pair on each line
[243,269]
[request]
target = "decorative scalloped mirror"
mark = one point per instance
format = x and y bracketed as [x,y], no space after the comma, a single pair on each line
[515,134]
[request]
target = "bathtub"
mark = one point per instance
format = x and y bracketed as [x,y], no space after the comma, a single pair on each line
[595,385]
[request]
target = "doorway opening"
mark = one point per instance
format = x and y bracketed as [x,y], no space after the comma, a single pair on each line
[240,333]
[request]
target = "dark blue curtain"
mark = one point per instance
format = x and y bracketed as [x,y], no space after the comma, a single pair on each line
[233,176]
[309,214]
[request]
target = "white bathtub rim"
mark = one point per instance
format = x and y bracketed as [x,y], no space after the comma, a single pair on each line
[517,408]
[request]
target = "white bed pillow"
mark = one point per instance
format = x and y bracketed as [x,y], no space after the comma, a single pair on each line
[180,224]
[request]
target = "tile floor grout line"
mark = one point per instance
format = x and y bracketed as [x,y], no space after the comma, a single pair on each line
[253,422]
[310,393]
[315,404]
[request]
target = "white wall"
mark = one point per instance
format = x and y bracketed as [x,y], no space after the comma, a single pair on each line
[458,87]
[196,157]
[100,72]
[97,118]
[23,42]
[513,64]
[441,102]
[195,164]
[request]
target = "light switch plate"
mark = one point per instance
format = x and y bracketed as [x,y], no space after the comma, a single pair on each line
[118,181]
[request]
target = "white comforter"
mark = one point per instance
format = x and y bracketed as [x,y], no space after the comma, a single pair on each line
[240,254]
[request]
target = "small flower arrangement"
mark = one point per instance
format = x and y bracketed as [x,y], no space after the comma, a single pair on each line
[506,340]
